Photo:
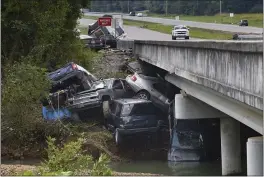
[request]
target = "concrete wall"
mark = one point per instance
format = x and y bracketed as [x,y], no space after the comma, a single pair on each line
[125,44]
[233,68]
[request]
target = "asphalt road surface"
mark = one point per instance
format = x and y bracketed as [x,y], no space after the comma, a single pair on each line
[136,33]
[211,26]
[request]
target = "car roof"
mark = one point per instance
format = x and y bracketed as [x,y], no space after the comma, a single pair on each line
[131,101]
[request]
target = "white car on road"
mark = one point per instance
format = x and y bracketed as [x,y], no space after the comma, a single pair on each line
[180,31]
[139,15]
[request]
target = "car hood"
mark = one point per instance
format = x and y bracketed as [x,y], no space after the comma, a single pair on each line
[95,87]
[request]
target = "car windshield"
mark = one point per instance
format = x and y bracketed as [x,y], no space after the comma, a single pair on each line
[138,109]
[100,84]
[179,27]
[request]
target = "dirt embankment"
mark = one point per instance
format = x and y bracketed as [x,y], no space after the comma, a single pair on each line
[111,63]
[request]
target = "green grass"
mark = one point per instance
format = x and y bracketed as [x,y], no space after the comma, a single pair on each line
[194,32]
[254,19]
[84,30]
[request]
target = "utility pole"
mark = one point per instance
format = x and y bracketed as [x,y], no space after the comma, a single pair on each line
[166,8]
[221,10]
[220,7]
[128,6]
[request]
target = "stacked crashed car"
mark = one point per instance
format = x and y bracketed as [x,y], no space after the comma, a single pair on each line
[66,81]
[155,89]
[133,116]
[100,93]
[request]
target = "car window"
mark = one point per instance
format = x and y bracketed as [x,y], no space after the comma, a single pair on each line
[126,85]
[138,109]
[117,84]
[180,27]
[160,88]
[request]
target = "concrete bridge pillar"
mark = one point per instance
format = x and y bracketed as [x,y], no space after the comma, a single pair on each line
[255,156]
[230,146]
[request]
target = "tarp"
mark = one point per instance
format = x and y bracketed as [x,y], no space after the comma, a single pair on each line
[53,114]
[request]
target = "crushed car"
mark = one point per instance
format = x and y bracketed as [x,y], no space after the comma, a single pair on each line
[99,95]
[92,42]
[108,34]
[65,82]
[152,88]
[133,116]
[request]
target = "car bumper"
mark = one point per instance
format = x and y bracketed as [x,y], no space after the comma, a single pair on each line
[180,35]
[124,131]
[84,106]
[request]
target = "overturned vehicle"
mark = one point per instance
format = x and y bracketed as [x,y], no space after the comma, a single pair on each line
[107,34]
[65,82]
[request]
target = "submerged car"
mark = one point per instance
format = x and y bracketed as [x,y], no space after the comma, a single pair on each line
[100,93]
[154,89]
[133,116]
[186,142]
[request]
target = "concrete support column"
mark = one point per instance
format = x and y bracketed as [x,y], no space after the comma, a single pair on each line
[255,156]
[230,146]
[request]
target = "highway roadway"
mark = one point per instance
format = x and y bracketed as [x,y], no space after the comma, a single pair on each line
[136,33]
[211,26]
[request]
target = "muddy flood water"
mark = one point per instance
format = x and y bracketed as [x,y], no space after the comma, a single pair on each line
[173,169]
[156,167]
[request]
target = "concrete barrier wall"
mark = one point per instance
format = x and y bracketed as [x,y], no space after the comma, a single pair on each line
[233,68]
[125,44]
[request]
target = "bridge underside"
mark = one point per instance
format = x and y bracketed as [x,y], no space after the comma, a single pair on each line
[245,114]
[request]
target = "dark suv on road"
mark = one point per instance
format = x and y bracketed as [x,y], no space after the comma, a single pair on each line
[133,116]
[243,23]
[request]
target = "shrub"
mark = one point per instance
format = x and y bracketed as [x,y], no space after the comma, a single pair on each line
[70,160]
[22,88]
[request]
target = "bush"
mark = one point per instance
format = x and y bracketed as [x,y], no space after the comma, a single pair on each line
[70,160]
[22,88]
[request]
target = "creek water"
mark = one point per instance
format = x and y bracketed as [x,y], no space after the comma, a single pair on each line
[173,169]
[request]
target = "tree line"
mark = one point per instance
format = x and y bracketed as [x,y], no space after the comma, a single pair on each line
[186,7]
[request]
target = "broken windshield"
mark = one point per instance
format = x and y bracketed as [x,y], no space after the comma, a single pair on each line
[138,109]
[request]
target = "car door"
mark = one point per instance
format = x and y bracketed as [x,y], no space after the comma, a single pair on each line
[118,89]
[110,120]
[159,95]
[128,92]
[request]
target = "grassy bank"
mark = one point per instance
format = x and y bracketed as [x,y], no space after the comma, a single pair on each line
[194,32]
[255,20]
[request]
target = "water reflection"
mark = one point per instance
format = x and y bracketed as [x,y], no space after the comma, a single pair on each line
[170,168]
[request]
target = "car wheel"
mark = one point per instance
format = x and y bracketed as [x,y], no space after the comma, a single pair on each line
[118,138]
[143,95]
[187,37]
[106,111]
[173,38]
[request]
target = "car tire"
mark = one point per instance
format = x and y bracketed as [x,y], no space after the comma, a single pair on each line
[117,137]
[143,95]
[187,37]
[106,111]
[173,38]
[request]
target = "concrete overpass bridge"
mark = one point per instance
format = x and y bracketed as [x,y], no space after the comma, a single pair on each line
[226,76]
